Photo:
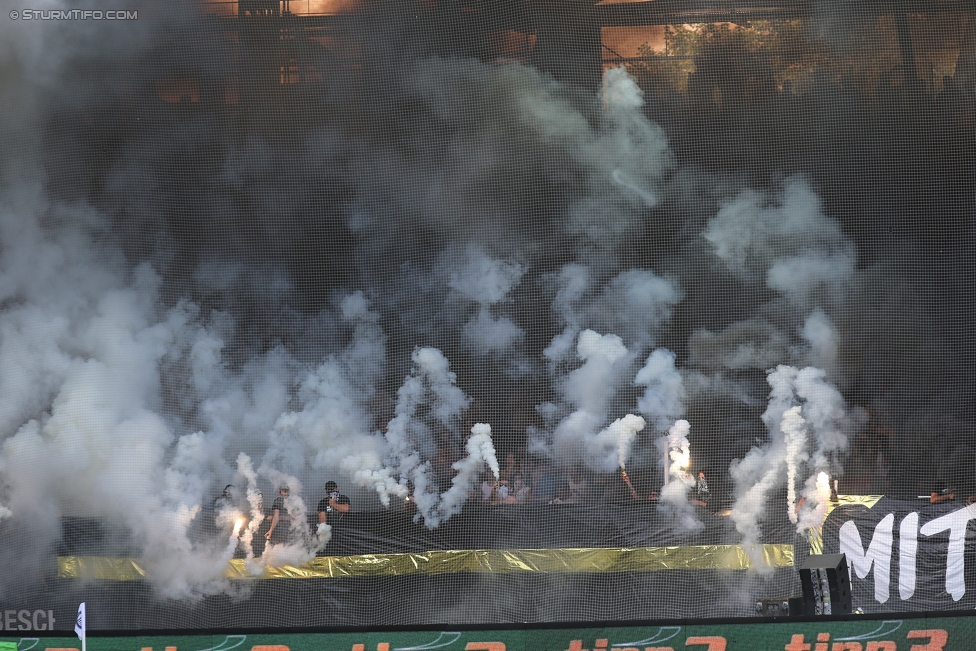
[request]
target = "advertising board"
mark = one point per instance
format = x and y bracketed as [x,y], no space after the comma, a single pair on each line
[916,634]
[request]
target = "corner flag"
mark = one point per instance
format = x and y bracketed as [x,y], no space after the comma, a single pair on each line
[80,624]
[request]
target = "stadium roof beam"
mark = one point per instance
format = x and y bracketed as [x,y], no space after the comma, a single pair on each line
[664,12]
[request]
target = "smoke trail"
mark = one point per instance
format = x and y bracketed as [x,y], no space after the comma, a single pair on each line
[432,385]
[761,470]
[802,405]
[794,431]
[610,448]
[255,502]
[817,497]
[481,453]
[678,449]
[825,411]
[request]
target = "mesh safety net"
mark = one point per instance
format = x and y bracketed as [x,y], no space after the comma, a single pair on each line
[401,312]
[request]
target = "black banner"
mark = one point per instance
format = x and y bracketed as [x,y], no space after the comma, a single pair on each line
[905,555]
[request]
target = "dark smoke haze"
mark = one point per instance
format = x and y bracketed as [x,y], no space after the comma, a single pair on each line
[194,296]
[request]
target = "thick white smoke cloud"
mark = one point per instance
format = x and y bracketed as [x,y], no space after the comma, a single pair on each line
[100,448]
[486,282]
[635,303]
[788,245]
[663,400]
[588,390]
[792,244]
[335,427]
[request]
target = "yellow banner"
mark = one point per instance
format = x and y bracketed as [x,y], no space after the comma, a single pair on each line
[487,561]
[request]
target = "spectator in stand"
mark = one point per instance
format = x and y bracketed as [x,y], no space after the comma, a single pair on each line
[228,508]
[576,483]
[562,497]
[942,492]
[226,499]
[702,493]
[510,468]
[523,492]
[619,488]
[333,505]
[949,101]
[442,463]
[505,494]
[944,495]
[544,482]
[488,488]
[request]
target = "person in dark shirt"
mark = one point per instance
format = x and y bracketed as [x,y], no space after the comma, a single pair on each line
[280,520]
[334,503]
[225,499]
[223,507]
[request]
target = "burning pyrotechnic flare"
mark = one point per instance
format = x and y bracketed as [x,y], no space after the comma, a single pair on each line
[633,491]
[674,495]
[679,450]
[813,508]
[233,541]
[823,487]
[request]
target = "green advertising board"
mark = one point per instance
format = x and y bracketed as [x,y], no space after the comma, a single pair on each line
[921,634]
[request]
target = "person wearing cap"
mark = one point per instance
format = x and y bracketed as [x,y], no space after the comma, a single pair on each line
[333,502]
[224,509]
[280,520]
